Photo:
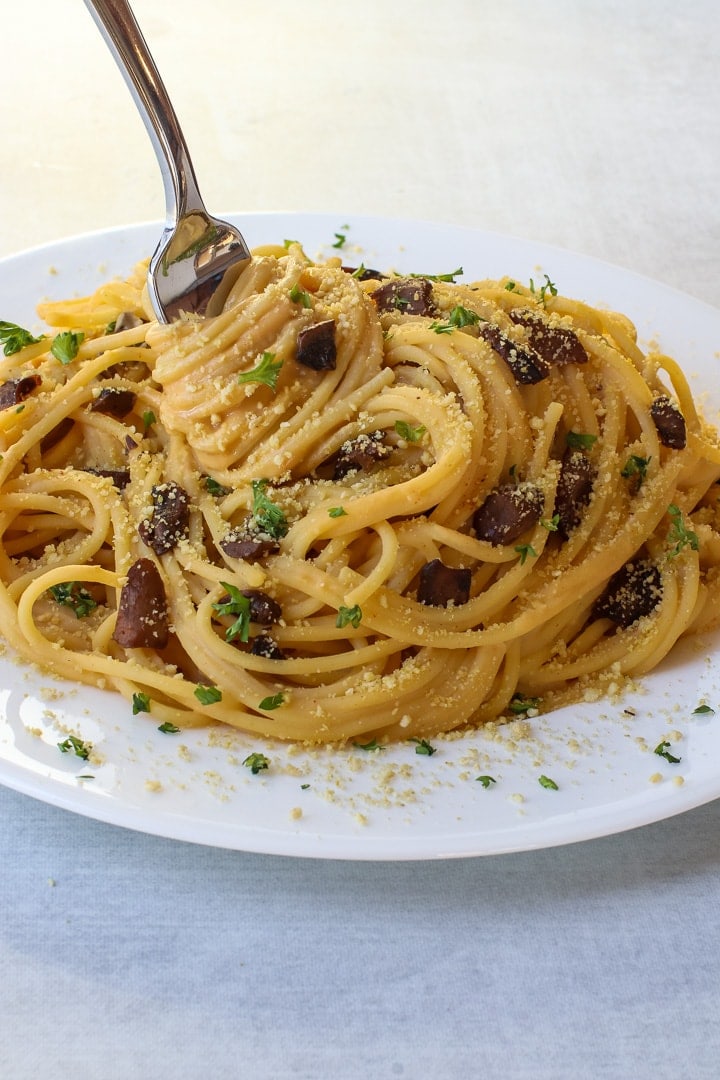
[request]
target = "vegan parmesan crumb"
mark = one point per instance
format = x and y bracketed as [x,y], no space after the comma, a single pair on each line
[153,785]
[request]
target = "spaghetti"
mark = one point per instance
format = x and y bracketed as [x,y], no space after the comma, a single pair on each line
[350,504]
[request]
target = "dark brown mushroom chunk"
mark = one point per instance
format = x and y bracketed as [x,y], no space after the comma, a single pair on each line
[168,524]
[57,434]
[263,609]
[15,391]
[240,544]
[142,618]
[316,346]
[264,645]
[670,422]
[575,484]
[508,512]
[360,453]
[441,585]
[634,591]
[526,365]
[556,344]
[410,296]
[113,401]
[119,477]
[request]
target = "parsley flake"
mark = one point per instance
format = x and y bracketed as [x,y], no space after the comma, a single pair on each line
[65,346]
[546,782]
[140,703]
[635,469]
[577,440]
[266,372]
[299,296]
[424,747]
[75,745]
[273,701]
[703,710]
[461,316]
[349,615]
[524,550]
[408,432]
[71,594]
[216,488]
[168,729]
[235,604]
[369,746]
[521,705]
[486,780]
[269,517]
[548,287]
[207,695]
[679,536]
[13,338]
[337,511]
[662,751]
[256,763]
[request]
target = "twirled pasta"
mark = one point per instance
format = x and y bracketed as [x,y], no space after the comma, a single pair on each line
[351,504]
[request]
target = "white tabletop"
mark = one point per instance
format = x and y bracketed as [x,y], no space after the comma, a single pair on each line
[591,125]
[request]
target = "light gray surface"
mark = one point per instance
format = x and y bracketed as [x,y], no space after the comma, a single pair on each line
[591,125]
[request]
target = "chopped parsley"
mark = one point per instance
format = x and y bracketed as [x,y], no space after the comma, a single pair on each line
[349,615]
[256,763]
[424,747]
[340,237]
[149,418]
[546,782]
[77,746]
[635,468]
[441,328]
[408,432]
[510,286]
[337,511]
[461,316]
[547,287]
[577,440]
[13,338]
[679,536]
[369,746]
[703,710]
[207,695]
[168,729]
[551,524]
[486,780]
[71,594]
[274,701]
[441,277]
[216,488]
[65,345]
[266,371]
[524,550]
[662,751]
[236,604]
[140,703]
[299,296]
[268,516]
[520,705]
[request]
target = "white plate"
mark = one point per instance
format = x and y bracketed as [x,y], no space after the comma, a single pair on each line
[393,803]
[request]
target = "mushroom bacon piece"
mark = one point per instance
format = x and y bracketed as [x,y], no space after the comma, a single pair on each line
[441,585]
[527,365]
[170,518]
[248,546]
[634,591]
[555,344]
[508,512]
[264,645]
[360,453]
[575,484]
[316,346]
[363,273]
[142,618]
[113,401]
[263,609]
[14,391]
[670,422]
[410,296]
[57,434]
[119,477]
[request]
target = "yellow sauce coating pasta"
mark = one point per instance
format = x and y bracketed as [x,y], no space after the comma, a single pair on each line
[351,504]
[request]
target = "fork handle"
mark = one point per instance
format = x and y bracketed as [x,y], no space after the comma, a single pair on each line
[123,36]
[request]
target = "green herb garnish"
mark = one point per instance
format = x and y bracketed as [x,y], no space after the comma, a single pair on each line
[486,780]
[461,316]
[662,751]
[299,296]
[216,488]
[580,441]
[551,524]
[424,747]
[337,511]
[369,746]
[149,418]
[524,550]
[256,763]
[635,468]
[702,710]
[168,729]
[520,705]
[266,371]
[269,517]
[77,746]
[340,238]
[274,701]
[441,328]
[546,782]
[65,345]
[548,287]
[408,432]
[13,338]
[71,594]
[679,536]
[349,615]
[140,703]
[236,604]
[207,695]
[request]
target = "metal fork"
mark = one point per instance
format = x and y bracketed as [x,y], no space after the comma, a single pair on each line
[199,257]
